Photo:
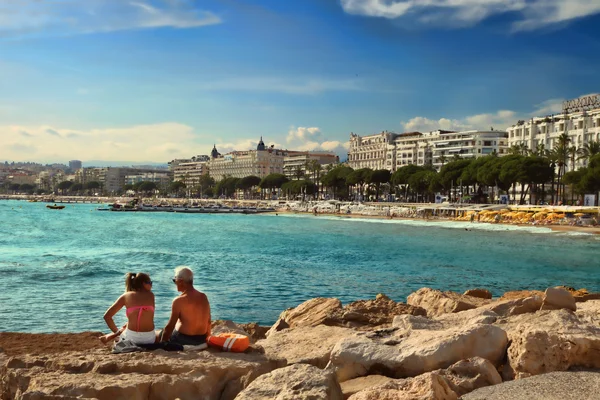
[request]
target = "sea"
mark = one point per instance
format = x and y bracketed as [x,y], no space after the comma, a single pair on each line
[60,270]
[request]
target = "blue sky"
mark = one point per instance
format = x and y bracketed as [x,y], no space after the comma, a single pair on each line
[153,80]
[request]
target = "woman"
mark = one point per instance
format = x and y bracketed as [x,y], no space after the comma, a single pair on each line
[138,301]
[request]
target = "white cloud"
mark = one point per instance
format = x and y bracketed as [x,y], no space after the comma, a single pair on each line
[499,120]
[312,139]
[532,14]
[302,133]
[67,17]
[158,142]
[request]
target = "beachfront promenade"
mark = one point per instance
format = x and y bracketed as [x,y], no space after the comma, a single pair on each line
[563,218]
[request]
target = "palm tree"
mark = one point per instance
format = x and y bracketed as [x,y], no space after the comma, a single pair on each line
[561,150]
[572,153]
[589,150]
[443,159]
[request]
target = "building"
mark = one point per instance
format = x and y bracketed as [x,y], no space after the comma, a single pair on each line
[370,151]
[580,120]
[298,164]
[190,171]
[161,179]
[391,151]
[467,144]
[239,164]
[74,165]
[85,175]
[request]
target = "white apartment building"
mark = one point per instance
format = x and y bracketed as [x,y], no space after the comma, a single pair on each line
[296,162]
[161,179]
[580,120]
[239,164]
[190,171]
[467,144]
[370,151]
[435,148]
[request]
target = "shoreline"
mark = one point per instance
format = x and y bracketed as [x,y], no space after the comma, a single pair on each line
[283,207]
[592,230]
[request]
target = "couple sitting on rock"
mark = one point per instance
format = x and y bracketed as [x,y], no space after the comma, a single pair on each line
[189,323]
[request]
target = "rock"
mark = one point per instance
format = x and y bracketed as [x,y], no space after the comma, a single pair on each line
[372,313]
[408,323]
[146,375]
[587,297]
[589,312]
[227,326]
[411,352]
[312,312]
[436,302]
[467,375]
[279,325]
[305,345]
[547,341]
[520,294]
[552,386]
[557,298]
[506,308]
[429,386]
[480,293]
[356,385]
[298,382]
[256,332]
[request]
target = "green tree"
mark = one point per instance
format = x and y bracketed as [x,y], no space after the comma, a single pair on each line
[27,188]
[401,177]
[205,184]
[358,178]
[176,187]
[64,185]
[226,187]
[335,179]
[91,186]
[379,177]
[147,187]
[14,187]
[589,150]
[248,182]
[450,174]
[422,183]
[76,188]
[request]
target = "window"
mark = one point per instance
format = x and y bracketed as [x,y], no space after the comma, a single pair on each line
[580,124]
[479,150]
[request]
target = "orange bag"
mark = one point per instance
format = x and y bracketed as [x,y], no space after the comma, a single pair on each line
[229,342]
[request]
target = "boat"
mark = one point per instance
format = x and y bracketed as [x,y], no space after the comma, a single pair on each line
[55,207]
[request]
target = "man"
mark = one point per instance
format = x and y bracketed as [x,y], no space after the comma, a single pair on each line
[189,323]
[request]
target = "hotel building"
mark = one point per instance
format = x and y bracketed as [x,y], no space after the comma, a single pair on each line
[189,171]
[580,120]
[298,163]
[391,151]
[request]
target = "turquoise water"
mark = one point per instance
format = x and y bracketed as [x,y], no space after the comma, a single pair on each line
[60,270]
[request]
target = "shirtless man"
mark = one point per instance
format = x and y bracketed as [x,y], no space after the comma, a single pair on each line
[190,316]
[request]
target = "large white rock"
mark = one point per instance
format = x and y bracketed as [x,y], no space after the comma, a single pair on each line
[312,312]
[429,386]
[470,374]
[297,382]
[457,380]
[422,351]
[557,298]
[356,385]
[515,306]
[552,340]
[436,302]
[147,375]
[305,345]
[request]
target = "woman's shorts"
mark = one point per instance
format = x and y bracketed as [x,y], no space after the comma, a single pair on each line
[139,337]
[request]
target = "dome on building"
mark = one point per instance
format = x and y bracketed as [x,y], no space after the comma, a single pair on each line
[214,153]
[261,145]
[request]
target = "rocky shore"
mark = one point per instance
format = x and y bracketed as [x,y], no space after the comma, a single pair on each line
[439,346]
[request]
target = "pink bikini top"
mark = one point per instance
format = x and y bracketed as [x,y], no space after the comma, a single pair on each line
[140,308]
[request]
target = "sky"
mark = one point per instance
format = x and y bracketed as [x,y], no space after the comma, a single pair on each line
[154,80]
